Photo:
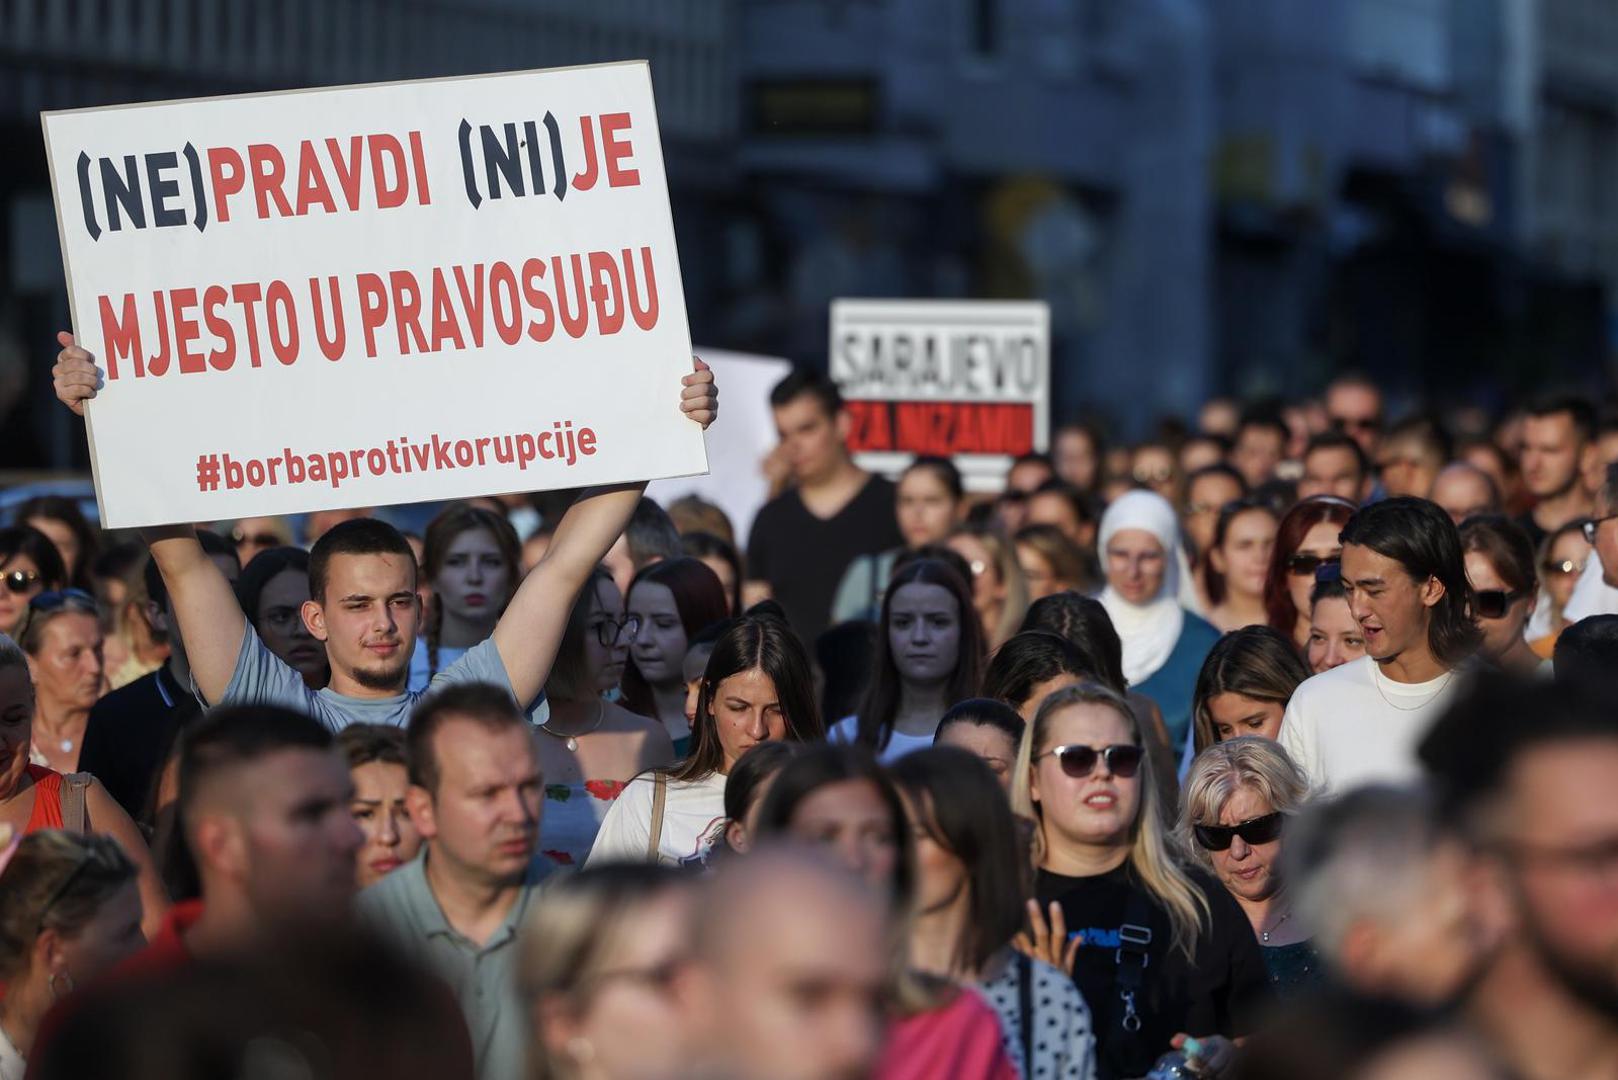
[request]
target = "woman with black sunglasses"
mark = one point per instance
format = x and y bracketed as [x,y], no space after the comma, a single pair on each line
[1238,798]
[590,747]
[1159,950]
[1306,541]
[1505,590]
[29,565]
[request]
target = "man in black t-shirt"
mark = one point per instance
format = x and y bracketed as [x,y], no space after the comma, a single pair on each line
[804,538]
[130,731]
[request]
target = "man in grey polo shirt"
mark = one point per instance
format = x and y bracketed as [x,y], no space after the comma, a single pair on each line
[476,794]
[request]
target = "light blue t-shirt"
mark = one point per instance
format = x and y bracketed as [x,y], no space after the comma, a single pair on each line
[421,676]
[262,678]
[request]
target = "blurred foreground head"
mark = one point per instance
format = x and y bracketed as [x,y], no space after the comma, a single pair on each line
[326,1007]
[791,963]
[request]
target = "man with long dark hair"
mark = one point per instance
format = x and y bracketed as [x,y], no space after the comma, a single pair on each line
[1405,578]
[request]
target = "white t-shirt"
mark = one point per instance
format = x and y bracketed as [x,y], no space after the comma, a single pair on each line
[693,822]
[1353,725]
[847,730]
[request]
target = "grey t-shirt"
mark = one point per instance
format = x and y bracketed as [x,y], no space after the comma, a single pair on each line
[262,678]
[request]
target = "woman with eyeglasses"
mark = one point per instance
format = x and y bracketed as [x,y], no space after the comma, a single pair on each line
[669,602]
[1306,541]
[1238,798]
[999,591]
[596,963]
[1163,643]
[1561,562]
[591,747]
[1244,687]
[29,565]
[69,910]
[253,535]
[34,797]
[1236,565]
[1158,948]
[472,561]
[1500,569]
[757,689]
[929,501]
[928,655]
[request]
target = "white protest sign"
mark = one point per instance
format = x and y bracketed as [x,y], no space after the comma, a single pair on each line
[738,440]
[968,379]
[375,294]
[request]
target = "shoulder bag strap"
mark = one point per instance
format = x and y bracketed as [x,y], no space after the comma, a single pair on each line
[660,798]
[75,816]
[1025,1011]
[1133,958]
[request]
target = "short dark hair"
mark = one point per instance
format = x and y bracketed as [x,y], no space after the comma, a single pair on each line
[1218,468]
[1332,439]
[1588,650]
[362,744]
[941,467]
[1471,747]
[983,712]
[228,737]
[65,510]
[651,534]
[971,818]
[212,544]
[1329,587]
[1263,415]
[1577,409]
[485,704]
[1426,431]
[358,536]
[1029,658]
[803,380]
[1072,496]
[1420,537]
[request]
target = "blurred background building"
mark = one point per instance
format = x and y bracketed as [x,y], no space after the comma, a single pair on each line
[1216,196]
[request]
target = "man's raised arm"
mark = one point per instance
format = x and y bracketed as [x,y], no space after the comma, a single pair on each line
[211,621]
[530,631]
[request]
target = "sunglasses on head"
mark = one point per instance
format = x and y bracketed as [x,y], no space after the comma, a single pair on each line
[1309,565]
[20,581]
[1493,603]
[1123,759]
[1260,830]
[1565,566]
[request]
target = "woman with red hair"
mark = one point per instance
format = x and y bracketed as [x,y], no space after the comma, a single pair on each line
[1306,542]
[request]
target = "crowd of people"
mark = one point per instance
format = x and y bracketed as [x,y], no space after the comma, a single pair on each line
[1281,745]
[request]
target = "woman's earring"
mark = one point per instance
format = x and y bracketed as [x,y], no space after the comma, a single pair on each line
[57,995]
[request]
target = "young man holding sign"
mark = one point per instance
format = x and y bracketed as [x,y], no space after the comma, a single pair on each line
[364,605]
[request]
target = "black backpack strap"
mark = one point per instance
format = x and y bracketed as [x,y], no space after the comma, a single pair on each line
[1133,958]
[1025,1011]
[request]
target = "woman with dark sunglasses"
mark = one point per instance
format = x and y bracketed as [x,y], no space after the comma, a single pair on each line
[1159,950]
[1306,541]
[1505,590]
[29,565]
[594,746]
[1238,798]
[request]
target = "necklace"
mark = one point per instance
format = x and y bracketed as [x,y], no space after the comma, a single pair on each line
[572,741]
[1264,934]
[1376,680]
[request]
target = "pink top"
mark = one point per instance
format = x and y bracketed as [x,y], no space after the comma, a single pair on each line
[960,1041]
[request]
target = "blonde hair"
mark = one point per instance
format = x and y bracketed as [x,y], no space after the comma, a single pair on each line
[1004,556]
[1154,855]
[1219,772]
[568,940]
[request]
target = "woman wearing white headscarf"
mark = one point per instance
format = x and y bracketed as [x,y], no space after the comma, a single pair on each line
[1164,644]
